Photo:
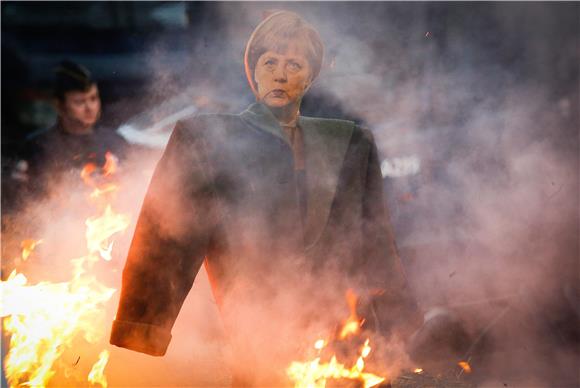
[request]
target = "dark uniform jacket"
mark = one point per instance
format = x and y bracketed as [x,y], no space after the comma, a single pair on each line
[224,191]
[55,155]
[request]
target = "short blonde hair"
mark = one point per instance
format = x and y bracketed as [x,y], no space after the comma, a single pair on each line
[275,33]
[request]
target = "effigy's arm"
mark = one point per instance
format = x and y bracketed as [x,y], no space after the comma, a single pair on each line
[169,245]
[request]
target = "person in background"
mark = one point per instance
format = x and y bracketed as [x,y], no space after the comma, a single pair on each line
[50,155]
[49,163]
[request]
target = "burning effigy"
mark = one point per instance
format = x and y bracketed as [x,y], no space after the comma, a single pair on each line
[477,134]
[285,211]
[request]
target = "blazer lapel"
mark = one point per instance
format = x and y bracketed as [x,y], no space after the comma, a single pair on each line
[326,142]
[259,116]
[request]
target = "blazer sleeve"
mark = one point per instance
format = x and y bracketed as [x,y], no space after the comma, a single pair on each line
[169,244]
[391,297]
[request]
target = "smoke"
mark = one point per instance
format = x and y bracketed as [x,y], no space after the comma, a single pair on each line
[488,104]
[494,211]
[490,220]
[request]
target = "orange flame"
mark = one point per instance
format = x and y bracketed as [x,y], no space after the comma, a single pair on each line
[465,366]
[96,375]
[87,172]
[99,229]
[351,326]
[314,374]
[42,320]
[28,246]
[107,170]
[111,163]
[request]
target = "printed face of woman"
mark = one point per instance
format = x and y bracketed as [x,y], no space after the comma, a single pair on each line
[282,78]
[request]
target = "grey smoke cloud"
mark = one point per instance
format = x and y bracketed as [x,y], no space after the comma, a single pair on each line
[495,212]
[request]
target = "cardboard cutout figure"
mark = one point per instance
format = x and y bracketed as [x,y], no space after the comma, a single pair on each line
[287,212]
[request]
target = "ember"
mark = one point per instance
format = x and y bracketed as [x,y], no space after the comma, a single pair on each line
[352,325]
[28,246]
[465,366]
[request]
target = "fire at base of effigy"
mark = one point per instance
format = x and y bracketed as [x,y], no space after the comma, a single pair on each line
[316,373]
[334,364]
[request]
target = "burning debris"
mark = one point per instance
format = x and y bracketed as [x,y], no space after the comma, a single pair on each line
[464,366]
[316,374]
[43,320]
[28,246]
[334,363]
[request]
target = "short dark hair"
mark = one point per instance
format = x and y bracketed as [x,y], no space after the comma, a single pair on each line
[274,33]
[71,76]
